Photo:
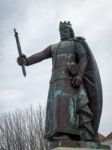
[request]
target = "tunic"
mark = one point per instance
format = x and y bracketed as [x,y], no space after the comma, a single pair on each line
[67,110]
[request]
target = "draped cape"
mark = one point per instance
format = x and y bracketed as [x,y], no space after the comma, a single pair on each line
[92,83]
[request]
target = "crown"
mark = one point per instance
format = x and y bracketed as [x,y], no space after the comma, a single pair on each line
[67,24]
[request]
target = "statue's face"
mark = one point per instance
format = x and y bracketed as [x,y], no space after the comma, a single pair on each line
[65,33]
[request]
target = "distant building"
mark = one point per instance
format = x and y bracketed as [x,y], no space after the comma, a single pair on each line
[106,140]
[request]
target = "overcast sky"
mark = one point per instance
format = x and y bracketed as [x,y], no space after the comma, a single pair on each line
[37,23]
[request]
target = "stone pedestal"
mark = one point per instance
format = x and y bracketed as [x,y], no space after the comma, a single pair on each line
[69,148]
[76,145]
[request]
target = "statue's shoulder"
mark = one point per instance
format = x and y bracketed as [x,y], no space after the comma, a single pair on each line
[80,38]
[55,45]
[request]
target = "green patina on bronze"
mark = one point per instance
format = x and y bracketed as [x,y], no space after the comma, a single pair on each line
[73,107]
[66,101]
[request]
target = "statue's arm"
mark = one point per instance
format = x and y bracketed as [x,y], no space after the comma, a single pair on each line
[83,64]
[82,58]
[45,54]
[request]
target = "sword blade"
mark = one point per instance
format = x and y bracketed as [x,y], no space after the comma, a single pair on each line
[24,70]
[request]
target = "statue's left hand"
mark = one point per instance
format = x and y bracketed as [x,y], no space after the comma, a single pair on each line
[76,81]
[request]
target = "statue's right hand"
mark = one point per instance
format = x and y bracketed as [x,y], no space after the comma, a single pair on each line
[22,60]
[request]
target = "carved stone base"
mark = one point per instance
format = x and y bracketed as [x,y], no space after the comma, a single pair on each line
[76,145]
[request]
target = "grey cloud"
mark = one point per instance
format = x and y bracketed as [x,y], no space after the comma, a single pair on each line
[37,24]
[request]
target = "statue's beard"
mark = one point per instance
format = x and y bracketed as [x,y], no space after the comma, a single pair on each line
[64,37]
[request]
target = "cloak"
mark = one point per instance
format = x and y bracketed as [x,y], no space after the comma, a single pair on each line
[93,86]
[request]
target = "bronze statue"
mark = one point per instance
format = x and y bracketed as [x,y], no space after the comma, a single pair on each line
[75,94]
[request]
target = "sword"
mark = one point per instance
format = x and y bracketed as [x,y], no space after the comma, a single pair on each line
[19,51]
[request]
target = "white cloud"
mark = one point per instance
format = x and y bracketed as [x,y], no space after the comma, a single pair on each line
[10,94]
[9,98]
